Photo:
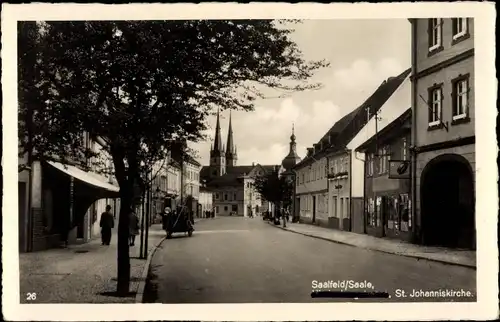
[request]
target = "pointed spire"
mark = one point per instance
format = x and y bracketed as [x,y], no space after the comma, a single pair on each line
[230,143]
[292,137]
[217,139]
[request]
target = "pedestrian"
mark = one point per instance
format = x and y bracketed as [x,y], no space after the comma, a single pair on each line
[107,223]
[133,227]
[285,217]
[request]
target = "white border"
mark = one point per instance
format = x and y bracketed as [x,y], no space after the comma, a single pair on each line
[487,254]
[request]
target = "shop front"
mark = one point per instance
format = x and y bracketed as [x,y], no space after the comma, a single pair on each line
[65,213]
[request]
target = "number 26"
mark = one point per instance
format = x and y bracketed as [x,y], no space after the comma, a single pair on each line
[30,296]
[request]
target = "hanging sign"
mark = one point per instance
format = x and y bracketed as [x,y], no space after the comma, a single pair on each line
[399,169]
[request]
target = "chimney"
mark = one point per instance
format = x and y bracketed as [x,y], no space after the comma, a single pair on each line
[310,151]
[253,164]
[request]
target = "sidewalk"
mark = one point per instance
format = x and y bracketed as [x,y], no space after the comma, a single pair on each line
[465,258]
[83,273]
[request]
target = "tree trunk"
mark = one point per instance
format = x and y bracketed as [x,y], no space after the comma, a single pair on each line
[123,284]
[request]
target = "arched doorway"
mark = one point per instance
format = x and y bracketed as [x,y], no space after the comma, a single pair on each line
[447,202]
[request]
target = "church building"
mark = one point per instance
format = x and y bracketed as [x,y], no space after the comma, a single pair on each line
[232,184]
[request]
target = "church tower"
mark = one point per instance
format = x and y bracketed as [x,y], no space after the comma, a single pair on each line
[217,157]
[231,154]
[292,158]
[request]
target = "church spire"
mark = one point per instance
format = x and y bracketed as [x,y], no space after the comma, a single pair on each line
[230,143]
[217,139]
[231,156]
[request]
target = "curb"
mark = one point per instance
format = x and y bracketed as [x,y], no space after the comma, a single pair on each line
[379,250]
[139,297]
[145,272]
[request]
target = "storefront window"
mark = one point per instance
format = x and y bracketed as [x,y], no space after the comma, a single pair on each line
[371,212]
[405,213]
[378,210]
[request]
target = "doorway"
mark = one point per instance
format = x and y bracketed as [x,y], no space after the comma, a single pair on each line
[447,203]
[314,209]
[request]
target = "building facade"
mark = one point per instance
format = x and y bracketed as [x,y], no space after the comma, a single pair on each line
[63,203]
[443,133]
[205,202]
[232,184]
[332,173]
[387,180]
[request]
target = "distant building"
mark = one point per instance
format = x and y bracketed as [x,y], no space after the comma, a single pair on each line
[205,202]
[287,171]
[443,133]
[231,184]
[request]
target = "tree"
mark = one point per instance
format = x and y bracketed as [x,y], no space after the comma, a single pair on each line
[275,189]
[144,85]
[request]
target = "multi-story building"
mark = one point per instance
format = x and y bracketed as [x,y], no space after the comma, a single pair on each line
[330,173]
[443,131]
[191,183]
[392,105]
[311,187]
[63,202]
[387,188]
[205,202]
[231,184]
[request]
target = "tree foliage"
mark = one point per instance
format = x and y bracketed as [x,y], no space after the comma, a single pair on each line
[144,85]
[274,188]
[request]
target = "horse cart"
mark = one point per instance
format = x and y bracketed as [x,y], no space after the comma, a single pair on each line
[178,222]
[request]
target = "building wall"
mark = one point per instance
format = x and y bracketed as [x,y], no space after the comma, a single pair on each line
[206,201]
[441,67]
[339,209]
[192,179]
[312,191]
[424,135]
[225,198]
[425,61]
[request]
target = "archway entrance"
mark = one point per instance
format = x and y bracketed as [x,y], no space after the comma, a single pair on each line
[447,203]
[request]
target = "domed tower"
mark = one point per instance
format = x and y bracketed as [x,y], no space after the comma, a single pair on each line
[217,156]
[292,158]
[231,154]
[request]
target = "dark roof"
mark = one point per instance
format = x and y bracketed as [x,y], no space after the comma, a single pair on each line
[393,126]
[230,178]
[345,129]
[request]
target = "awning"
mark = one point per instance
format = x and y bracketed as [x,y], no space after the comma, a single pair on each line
[84,176]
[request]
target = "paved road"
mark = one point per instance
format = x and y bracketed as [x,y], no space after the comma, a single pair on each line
[236,260]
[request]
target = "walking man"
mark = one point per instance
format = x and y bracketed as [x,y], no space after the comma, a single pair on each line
[133,227]
[107,223]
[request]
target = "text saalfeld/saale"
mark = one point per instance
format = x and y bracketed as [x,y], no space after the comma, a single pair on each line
[343,284]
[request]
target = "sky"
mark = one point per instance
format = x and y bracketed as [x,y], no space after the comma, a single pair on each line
[362,54]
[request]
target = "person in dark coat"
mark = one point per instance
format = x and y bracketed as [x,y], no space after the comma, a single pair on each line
[107,223]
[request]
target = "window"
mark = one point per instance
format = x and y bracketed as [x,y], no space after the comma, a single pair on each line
[378,210]
[370,211]
[435,33]
[460,98]
[404,212]
[435,108]
[459,27]
[234,196]
[234,208]
[225,196]
[216,209]
[225,208]
[404,153]
[381,160]
[370,164]
[216,196]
